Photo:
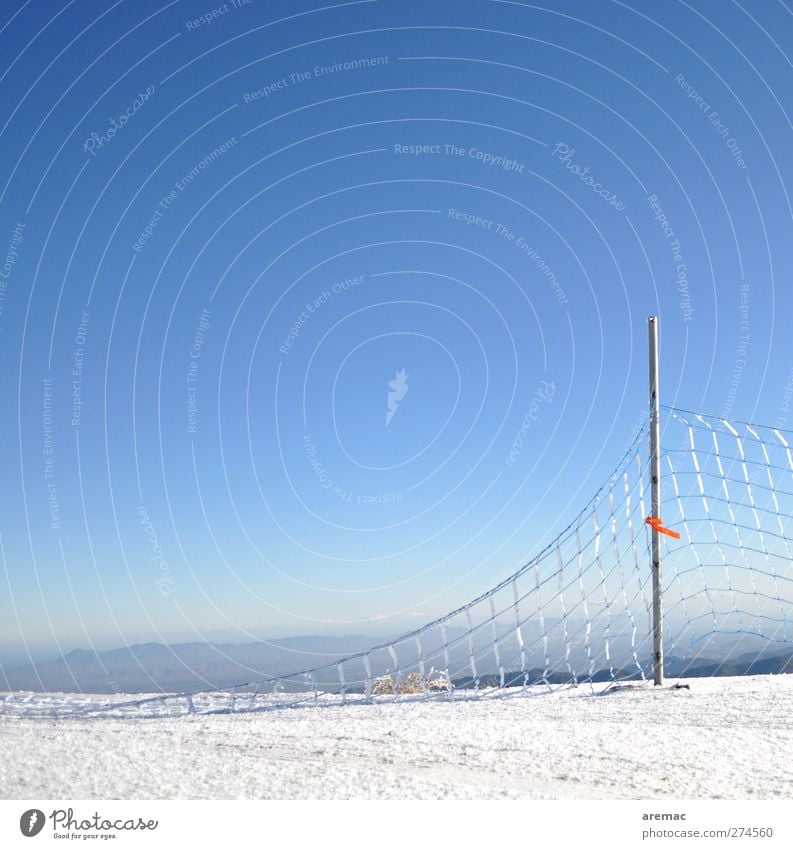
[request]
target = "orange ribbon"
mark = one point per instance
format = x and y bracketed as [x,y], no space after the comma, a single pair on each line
[658,525]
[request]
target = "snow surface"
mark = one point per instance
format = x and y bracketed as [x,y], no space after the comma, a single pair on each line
[727,738]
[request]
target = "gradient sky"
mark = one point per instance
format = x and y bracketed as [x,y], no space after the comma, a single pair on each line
[225,243]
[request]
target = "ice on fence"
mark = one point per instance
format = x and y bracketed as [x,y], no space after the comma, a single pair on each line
[580,610]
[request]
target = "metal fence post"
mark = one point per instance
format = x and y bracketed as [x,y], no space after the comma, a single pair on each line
[655,478]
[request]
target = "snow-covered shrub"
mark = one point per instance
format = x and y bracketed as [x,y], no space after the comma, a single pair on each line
[435,682]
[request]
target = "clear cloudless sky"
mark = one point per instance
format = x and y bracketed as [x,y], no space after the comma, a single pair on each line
[227,228]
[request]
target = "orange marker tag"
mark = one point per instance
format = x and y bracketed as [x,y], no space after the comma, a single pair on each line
[658,525]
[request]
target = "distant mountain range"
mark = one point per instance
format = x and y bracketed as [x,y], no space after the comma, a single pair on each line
[774,663]
[745,665]
[153,667]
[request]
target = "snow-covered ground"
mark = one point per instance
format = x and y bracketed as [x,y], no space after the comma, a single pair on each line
[729,738]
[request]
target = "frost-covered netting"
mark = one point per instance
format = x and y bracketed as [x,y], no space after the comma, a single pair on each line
[727,488]
[580,612]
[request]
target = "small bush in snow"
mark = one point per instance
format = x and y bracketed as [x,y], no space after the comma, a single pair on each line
[435,682]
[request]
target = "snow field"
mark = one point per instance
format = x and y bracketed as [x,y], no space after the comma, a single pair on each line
[724,738]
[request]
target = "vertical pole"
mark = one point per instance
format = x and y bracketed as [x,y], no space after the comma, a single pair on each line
[655,478]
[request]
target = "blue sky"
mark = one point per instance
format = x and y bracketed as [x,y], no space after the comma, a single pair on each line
[226,234]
